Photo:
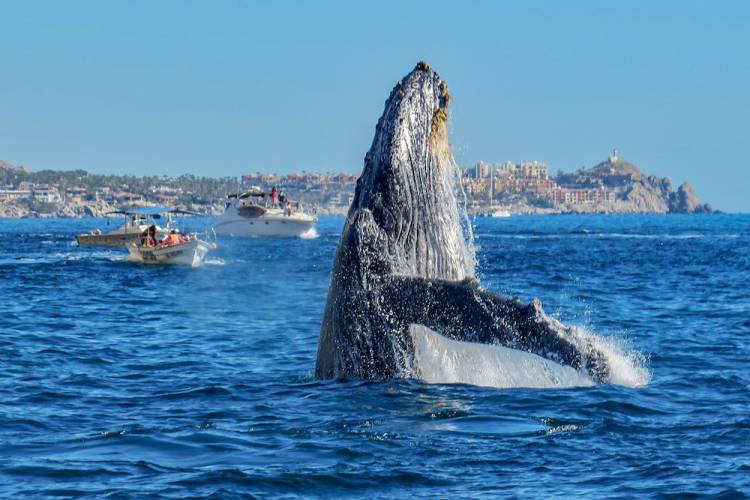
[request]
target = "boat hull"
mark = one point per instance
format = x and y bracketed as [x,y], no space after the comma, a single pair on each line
[116,239]
[191,253]
[107,240]
[289,227]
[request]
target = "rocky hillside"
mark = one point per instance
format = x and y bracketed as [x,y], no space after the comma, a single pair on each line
[634,190]
[6,165]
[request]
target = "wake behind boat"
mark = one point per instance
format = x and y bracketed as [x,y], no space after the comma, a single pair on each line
[256,213]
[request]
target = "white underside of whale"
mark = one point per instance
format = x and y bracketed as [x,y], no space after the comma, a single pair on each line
[440,360]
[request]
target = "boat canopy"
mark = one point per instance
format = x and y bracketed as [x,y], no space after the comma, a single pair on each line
[257,194]
[154,212]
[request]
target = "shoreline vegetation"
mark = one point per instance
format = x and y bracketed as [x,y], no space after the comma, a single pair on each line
[612,186]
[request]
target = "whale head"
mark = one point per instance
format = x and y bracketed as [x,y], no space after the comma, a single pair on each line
[407,188]
[402,264]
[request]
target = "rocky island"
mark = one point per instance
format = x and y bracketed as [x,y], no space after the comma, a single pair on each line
[612,186]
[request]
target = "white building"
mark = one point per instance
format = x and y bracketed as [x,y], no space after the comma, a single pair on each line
[47,194]
[14,194]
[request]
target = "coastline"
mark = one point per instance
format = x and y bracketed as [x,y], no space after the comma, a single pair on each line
[340,213]
[613,186]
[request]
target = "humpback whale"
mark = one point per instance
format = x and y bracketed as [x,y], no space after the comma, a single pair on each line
[403,265]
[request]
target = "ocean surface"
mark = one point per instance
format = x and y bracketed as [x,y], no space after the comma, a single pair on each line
[121,380]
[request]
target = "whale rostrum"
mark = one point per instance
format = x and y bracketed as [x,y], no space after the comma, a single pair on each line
[403,257]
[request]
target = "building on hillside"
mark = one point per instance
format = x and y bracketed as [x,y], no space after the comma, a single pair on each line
[533,169]
[313,177]
[613,157]
[505,169]
[577,196]
[46,194]
[479,171]
[14,194]
[163,188]
[166,199]
[344,178]
[271,179]
[76,191]
[529,169]
[126,196]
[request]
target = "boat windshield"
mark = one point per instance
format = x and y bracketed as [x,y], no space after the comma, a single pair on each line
[255,194]
[251,211]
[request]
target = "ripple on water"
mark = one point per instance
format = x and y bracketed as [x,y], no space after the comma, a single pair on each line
[128,381]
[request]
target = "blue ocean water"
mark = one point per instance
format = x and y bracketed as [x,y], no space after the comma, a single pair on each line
[127,381]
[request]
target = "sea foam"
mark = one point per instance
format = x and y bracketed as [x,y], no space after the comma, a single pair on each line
[310,234]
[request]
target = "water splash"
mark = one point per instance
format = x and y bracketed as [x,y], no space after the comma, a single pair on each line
[628,367]
[470,250]
[214,261]
[310,234]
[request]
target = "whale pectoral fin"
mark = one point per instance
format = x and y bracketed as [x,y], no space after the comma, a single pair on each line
[461,310]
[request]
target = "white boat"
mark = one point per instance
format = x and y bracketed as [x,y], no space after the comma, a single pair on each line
[130,232]
[499,212]
[188,253]
[495,210]
[247,214]
[174,248]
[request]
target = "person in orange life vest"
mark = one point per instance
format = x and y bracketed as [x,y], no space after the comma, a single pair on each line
[172,239]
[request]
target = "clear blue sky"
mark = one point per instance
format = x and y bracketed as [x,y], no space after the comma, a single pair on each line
[228,87]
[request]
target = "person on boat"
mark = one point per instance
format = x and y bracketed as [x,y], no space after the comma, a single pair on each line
[149,236]
[172,239]
[274,197]
[287,207]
